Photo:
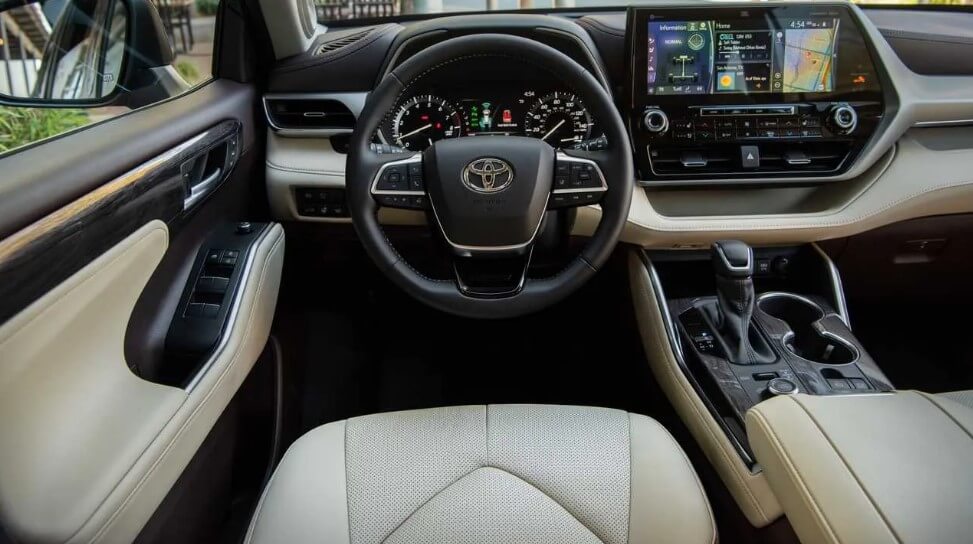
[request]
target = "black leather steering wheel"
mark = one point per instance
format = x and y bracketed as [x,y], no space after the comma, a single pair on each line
[489,194]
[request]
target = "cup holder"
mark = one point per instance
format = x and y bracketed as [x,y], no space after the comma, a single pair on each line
[807,339]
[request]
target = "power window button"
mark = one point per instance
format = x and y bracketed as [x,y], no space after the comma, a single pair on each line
[213,256]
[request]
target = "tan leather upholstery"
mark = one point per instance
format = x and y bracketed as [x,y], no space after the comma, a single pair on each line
[499,473]
[869,468]
[88,449]
[749,489]
[963,397]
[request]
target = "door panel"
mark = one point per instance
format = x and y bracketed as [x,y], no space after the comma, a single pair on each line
[97,241]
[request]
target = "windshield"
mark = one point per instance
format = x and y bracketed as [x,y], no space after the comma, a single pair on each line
[338,10]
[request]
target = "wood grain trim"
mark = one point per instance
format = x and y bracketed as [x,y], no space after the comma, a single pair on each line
[45,253]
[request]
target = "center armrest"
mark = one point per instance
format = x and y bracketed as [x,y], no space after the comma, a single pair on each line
[894,467]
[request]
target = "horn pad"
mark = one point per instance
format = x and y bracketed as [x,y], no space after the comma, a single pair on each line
[489,193]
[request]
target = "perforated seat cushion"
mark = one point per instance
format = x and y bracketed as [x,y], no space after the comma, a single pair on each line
[486,474]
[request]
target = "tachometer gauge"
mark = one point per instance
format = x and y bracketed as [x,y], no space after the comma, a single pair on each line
[559,119]
[424,119]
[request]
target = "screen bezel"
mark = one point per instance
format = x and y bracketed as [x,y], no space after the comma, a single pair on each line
[852,49]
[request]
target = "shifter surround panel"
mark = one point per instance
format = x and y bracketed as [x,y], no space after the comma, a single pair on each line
[799,312]
[744,385]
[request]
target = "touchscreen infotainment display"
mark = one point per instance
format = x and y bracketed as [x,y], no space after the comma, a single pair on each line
[725,56]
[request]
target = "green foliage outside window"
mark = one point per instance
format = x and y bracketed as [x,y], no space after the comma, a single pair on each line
[207,7]
[21,126]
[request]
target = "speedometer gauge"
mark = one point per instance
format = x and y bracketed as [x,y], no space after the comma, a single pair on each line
[559,119]
[422,120]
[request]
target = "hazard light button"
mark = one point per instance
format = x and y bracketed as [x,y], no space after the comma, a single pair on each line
[750,156]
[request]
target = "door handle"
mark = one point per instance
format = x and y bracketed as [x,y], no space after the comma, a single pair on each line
[200,189]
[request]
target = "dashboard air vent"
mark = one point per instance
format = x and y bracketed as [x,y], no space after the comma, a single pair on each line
[338,43]
[310,114]
[724,160]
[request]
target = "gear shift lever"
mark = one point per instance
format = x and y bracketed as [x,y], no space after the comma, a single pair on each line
[733,262]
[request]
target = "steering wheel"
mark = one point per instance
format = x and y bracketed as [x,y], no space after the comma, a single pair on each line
[490,194]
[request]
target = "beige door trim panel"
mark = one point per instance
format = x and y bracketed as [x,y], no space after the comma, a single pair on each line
[89,450]
[750,490]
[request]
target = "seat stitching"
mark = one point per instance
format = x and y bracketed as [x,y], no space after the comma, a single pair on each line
[849,469]
[943,410]
[699,484]
[631,484]
[806,495]
[347,487]
[457,480]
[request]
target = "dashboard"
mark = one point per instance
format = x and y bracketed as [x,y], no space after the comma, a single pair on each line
[820,170]
[482,98]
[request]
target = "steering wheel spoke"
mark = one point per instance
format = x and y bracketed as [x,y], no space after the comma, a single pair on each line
[491,277]
[399,183]
[578,181]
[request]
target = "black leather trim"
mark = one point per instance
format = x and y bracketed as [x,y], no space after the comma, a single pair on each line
[351,68]
[561,33]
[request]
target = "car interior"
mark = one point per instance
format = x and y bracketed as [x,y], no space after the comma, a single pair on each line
[675,271]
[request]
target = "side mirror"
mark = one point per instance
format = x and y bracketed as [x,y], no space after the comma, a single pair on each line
[84,53]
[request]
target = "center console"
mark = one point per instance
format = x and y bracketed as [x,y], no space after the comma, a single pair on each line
[750,94]
[751,324]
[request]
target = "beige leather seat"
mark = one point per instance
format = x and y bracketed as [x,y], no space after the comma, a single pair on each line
[963,397]
[486,474]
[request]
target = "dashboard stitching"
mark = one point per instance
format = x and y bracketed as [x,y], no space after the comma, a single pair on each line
[304,170]
[340,54]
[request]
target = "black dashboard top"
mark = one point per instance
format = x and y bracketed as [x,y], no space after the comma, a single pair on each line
[485,99]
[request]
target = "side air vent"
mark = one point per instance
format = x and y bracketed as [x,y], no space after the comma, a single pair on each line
[324,116]
[338,43]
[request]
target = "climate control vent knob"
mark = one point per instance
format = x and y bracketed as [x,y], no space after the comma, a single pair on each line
[655,121]
[844,119]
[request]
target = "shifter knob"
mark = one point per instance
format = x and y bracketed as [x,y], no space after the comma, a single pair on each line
[732,259]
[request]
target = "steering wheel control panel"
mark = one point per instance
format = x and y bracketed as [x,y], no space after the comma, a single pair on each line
[757,94]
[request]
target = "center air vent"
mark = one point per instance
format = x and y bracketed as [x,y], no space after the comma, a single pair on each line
[325,115]
[337,43]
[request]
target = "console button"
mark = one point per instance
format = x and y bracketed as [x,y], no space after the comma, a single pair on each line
[682,135]
[682,124]
[705,136]
[859,384]
[781,386]
[745,124]
[767,123]
[810,122]
[839,384]
[750,156]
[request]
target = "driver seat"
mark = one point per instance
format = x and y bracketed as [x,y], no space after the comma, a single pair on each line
[486,474]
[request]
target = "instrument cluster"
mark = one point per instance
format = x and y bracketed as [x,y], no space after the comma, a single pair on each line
[557,117]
